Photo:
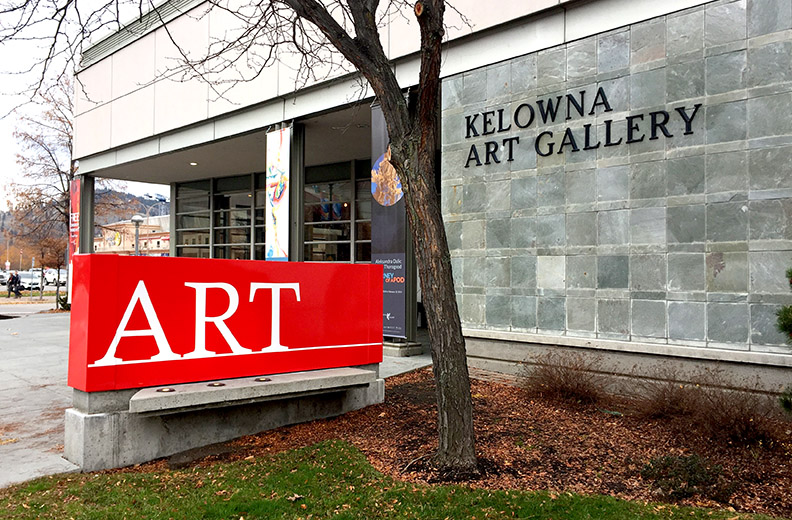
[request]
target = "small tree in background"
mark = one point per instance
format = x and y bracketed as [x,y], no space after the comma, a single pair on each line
[785,327]
[45,158]
[40,201]
[786,400]
[785,315]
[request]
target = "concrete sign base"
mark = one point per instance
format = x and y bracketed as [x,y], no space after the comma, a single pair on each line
[115,429]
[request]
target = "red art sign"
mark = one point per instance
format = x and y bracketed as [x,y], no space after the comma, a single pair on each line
[150,321]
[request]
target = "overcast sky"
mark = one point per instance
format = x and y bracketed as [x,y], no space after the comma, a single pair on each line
[10,172]
[14,57]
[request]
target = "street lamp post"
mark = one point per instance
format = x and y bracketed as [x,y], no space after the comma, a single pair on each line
[137,219]
[155,205]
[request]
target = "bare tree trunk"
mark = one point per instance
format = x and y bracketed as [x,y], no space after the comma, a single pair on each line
[456,448]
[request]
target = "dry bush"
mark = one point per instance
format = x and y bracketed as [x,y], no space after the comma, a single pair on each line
[665,400]
[661,397]
[739,416]
[712,406]
[568,376]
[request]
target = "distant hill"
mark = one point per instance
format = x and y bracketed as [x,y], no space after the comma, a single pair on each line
[6,222]
[134,203]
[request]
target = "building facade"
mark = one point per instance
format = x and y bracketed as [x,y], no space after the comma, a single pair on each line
[615,175]
[119,237]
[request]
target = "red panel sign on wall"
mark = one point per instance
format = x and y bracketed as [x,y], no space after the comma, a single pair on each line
[149,321]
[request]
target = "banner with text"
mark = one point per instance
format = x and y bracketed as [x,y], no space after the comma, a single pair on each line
[388,230]
[174,320]
[74,217]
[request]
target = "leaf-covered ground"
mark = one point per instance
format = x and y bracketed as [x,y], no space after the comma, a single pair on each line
[534,444]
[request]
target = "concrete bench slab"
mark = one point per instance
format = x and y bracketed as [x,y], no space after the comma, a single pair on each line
[229,392]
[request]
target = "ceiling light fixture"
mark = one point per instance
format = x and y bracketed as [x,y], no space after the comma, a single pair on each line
[193,164]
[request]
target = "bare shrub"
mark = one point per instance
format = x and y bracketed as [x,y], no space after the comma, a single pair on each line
[568,376]
[665,400]
[662,397]
[739,416]
[711,405]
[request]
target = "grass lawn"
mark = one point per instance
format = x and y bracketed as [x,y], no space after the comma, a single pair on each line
[327,480]
[26,294]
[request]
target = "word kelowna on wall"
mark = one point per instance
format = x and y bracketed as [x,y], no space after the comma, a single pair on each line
[553,110]
[149,321]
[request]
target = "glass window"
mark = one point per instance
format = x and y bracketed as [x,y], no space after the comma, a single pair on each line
[260,218]
[328,172]
[337,212]
[232,217]
[261,205]
[329,192]
[192,252]
[232,252]
[363,230]
[186,205]
[193,221]
[327,252]
[192,196]
[233,201]
[218,222]
[232,235]
[232,184]
[260,235]
[363,251]
[192,237]
[327,232]
[326,212]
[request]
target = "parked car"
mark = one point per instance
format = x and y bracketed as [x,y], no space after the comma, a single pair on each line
[30,281]
[3,277]
[51,276]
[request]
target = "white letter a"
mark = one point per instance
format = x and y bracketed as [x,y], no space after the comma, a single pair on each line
[165,353]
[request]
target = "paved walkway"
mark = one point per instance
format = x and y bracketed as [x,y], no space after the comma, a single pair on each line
[25,305]
[34,394]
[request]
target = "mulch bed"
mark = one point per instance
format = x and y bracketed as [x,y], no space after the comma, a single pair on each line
[531,443]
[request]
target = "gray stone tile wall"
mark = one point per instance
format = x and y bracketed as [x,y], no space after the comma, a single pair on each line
[682,239]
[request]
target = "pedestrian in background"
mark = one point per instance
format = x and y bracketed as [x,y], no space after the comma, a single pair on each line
[13,284]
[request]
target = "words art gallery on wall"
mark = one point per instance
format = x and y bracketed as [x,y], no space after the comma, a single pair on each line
[559,109]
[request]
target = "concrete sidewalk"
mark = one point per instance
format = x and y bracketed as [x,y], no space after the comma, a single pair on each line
[34,394]
[22,306]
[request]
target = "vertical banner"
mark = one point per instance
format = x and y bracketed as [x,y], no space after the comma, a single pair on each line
[388,230]
[277,212]
[74,217]
[74,230]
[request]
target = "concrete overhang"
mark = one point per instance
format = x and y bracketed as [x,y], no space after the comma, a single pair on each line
[333,136]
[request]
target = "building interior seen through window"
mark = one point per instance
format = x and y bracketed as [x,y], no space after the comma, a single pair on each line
[226,217]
